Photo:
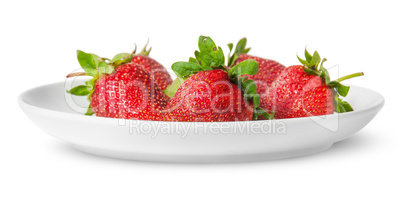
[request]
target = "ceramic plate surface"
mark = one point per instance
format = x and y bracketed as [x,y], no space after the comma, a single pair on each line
[60,115]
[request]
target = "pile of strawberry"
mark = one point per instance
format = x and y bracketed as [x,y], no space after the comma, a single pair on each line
[135,86]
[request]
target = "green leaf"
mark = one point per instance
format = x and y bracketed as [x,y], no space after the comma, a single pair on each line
[96,59]
[199,57]
[193,60]
[249,66]
[219,58]
[315,60]
[89,111]
[238,81]
[259,111]
[172,89]
[310,71]
[232,60]
[304,62]
[311,63]
[104,59]
[256,100]
[197,54]
[144,50]
[120,56]
[205,43]
[81,90]
[91,83]
[255,116]
[341,106]
[241,46]
[347,106]
[88,62]
[341,89]
[307,55]
[245,51]
[186,69]
[105,68]
[240,49]
[322,62]
[249,89]
[121,59]
[325,75]
[209,55]
[230,45]
[270,116]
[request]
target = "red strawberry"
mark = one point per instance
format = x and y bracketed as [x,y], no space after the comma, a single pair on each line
[298,94]
[119,91]
[128,93]
[306,90]
[211,92]
[268,71]
[209,96]
[160,74]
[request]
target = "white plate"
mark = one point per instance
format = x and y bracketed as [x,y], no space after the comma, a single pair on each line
[47,106]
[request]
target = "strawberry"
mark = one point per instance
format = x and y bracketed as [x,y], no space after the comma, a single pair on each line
[160,74]
[268,71]
[306,90]
[209,96]
[211,92]
[119,89]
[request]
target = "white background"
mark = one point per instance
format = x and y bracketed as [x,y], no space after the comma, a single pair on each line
[38,42]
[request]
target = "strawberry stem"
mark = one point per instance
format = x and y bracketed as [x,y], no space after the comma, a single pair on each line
[349,76]
[76,74]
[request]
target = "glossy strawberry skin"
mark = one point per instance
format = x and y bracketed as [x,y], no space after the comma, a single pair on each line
[128,92]
[298,94]
[208,96]
[160,74]
[268,71]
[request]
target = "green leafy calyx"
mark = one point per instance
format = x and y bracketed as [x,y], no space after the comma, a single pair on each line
[211,57]
[144,50]
[240,49]
[96,67]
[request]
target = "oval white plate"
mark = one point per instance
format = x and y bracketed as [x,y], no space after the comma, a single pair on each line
[47,106]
